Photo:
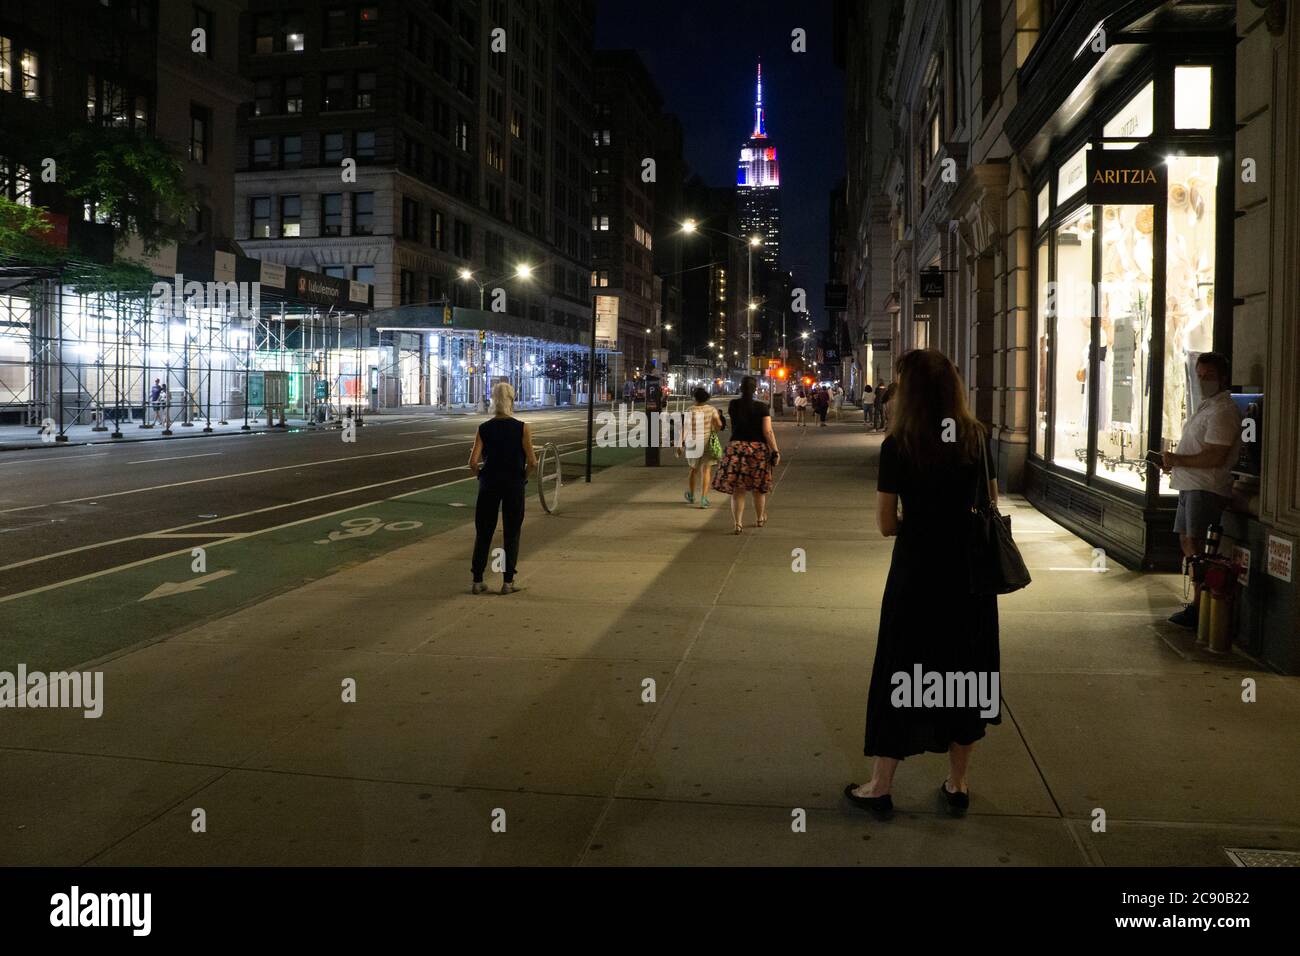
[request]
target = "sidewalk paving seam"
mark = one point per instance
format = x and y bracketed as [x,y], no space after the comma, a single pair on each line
[653,725]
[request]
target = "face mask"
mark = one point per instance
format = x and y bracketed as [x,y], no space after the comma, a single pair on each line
[1210,387]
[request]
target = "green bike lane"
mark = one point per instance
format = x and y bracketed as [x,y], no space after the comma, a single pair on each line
[143,602]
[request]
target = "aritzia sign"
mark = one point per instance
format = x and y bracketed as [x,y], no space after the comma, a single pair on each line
[1136,177]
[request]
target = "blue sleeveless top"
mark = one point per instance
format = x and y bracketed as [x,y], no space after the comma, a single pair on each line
[504,462]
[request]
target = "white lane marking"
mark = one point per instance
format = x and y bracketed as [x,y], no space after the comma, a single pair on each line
[199,524]
[250,534]
[143,461]
[168,588]
[60,457]
[242,474]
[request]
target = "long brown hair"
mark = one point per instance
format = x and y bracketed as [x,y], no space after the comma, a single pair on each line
[929,406]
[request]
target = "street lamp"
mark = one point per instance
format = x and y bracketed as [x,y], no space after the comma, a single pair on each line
[522,271]
[751,243]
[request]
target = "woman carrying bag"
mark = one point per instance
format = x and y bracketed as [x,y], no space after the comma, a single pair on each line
[939,613]
[703,448]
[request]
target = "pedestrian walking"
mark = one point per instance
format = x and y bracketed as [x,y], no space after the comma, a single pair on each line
[749,457]
[822,403]
[869,407]
[502,459]
[882,404]
[801,409]
[837,400]
[1201,467]
[702,447]
[157,400]
[930,622]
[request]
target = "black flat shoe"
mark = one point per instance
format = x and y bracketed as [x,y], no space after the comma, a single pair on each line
[882,807]
[958,803]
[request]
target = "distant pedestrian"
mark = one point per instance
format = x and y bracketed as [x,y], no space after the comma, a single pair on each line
[749,457]
[822,403]
[158,401]
[702,448]
[837,400]
[930,622]
[801,409]
[882,403]
[501,460]
[869,407]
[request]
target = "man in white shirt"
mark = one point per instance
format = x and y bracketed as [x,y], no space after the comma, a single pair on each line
[1201,466]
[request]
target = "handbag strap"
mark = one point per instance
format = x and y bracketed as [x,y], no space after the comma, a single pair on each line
[982,501]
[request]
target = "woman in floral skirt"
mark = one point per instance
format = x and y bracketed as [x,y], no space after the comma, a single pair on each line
[749,457]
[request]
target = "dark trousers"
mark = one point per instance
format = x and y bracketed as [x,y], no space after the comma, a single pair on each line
[509,500]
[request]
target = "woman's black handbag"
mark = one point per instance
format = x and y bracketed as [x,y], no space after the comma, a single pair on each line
[996,566]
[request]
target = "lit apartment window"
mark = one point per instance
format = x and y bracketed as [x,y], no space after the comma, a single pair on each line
[517,123]
[295,34]
[331,214]
[495,159]
[200,129]
[368,25]
[264,35]
[31,70]
[462,134]
[259,214]
[290,217]
[6,65]
[363,214]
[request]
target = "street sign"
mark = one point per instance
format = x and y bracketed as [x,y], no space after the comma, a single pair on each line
[1126,177]
[932,284]
[322,389]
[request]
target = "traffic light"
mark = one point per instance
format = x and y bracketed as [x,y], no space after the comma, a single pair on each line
[446,314]
[482,337]
[782,373]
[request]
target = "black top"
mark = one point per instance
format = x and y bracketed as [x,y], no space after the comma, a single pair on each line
[747,416]
[504,461]
[936,498]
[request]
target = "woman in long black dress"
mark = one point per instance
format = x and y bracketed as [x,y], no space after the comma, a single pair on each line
[931,460]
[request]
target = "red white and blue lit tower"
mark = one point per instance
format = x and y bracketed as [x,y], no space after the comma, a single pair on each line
[758,186]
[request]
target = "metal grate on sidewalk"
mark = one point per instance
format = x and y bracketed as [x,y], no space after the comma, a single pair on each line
[1249,857]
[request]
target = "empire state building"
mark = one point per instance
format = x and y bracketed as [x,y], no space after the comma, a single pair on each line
[758,186]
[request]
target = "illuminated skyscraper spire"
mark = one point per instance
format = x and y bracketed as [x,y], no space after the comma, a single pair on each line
[759,131]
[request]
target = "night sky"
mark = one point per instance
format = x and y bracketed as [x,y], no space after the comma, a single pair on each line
[702,55]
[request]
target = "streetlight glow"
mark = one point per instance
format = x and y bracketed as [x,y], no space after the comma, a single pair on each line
[525,270]
[688,225]
[466,274]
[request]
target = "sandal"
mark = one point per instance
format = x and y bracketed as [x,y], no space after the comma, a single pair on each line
[739,528]
[762,520]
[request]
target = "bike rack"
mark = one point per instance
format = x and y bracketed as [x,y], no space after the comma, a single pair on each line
[549,450]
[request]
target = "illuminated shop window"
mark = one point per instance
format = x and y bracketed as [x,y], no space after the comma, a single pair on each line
[1071,299]
[1192,88]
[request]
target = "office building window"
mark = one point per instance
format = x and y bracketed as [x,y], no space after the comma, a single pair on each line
[407,287]
[263,97]
[295,34]
[462,134]
[365,91]
[259,215]
[494,157]
[462,239]
[204,20]
[261,150]
[291,150]
[364,274]
[517,123]
[365,148]
[293,94]
[337,30]
[335,272]
[363,214]
[29,66]
[437,238]
[368,25]
[200,129]
[290,217]
[335,92]
[331,214]
[410,219]
[331,147]
[264,34]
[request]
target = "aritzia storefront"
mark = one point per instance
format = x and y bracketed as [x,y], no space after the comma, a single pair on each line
[1131,209]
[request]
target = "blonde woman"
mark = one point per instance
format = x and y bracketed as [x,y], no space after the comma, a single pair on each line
[705,421]
[502,459]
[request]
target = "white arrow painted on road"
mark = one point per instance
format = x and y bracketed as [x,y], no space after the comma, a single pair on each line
[168,588]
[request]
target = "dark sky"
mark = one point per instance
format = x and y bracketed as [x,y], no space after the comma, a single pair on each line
[702,54]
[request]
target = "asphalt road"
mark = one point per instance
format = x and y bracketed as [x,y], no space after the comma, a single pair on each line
[70,512]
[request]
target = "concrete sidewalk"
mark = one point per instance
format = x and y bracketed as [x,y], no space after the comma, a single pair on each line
[534,704]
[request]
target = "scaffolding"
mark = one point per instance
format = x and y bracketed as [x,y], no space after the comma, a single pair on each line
[111,360]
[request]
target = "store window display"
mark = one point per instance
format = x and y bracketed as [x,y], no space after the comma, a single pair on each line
[1124,360]
[1189,289]
[1038,438]
[1073,303]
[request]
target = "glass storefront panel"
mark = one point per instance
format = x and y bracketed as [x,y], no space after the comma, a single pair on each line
[1189,285]
[1123,370]
[1038,437]
[1073,308]
[1192,103]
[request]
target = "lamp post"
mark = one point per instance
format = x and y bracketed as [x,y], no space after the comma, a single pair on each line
[751,243]
[522,271]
